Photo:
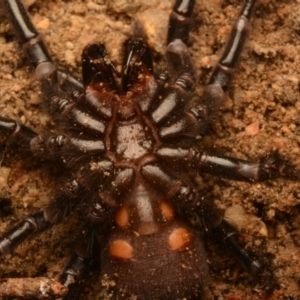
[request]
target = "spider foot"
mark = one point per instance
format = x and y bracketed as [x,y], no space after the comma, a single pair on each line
[275,166]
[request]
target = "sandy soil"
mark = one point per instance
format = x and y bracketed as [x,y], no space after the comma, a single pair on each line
[261,114]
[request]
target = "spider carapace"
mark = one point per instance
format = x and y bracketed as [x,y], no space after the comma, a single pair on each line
[123,144]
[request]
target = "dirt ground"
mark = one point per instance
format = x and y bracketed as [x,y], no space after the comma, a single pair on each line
[261,114]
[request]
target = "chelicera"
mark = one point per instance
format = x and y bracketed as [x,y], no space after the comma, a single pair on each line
[123,147]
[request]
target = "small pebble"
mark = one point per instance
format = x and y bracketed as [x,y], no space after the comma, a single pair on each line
[252,129]
[44,24]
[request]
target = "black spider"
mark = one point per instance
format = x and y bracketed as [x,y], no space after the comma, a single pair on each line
[122,148]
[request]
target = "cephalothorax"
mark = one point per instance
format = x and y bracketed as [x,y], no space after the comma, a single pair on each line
[122,146]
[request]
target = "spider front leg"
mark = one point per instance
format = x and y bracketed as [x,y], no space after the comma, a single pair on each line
[223,73]
[34,47]
[179,22]
[20,139]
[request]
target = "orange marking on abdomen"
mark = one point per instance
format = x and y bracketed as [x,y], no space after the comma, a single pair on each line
[167,211]
[120,249]
[179,238]
[122,217]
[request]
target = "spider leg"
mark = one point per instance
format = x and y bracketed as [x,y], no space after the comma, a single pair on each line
[57,87]
[59,90]
[228,235]
[209,219]
[178,33]
[179,22]
[62,204]
[26,143]
[167,112]
[227,167]
[221,77]
[34,47]
[16,235]
[176,125]
[204,215]
[223,72]
[87,247]
[267,168]
[73,271]
[80,262]
[19,138]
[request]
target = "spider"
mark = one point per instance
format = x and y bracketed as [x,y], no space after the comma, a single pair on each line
[176,201]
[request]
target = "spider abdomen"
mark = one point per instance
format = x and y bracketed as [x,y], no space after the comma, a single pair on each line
[173,253]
